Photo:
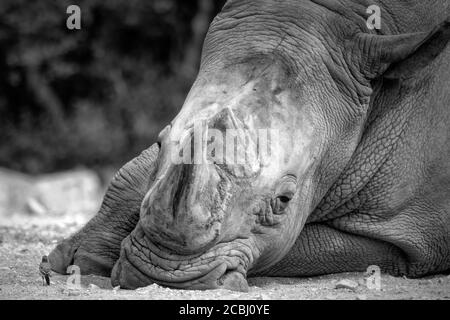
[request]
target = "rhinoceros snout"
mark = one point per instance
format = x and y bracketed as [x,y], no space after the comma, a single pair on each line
[143,262]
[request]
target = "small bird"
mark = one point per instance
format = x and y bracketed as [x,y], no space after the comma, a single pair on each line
[45,270]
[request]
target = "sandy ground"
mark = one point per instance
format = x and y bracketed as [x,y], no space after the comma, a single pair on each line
[23,240]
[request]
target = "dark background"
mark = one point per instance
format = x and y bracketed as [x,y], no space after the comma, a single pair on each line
[98,96]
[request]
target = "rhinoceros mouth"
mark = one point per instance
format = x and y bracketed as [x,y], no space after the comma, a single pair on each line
[223,266]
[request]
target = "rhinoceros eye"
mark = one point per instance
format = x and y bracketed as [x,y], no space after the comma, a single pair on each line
[284,192]
[280,204]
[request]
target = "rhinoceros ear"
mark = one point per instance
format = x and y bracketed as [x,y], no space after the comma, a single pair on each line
[398,56]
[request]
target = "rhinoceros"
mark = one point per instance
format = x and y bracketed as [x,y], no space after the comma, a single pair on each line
[357,175]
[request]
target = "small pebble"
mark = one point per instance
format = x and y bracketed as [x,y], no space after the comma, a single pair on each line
[361,297]
[93,287]
[72,292]
[346,284]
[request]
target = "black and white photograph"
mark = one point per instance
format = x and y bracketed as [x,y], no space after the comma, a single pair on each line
[243,151]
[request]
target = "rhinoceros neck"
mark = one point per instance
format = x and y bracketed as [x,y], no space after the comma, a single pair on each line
[398,111]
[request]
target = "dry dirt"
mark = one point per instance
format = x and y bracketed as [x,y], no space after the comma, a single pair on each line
[23,240]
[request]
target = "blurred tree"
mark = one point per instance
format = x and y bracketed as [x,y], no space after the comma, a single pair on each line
[99,95]
[199,26]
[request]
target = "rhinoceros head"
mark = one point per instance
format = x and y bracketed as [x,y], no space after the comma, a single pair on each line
[218,211]
[233,183]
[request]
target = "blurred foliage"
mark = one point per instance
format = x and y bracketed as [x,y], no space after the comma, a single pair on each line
[96,96]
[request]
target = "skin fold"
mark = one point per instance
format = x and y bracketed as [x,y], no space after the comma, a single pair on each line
[358,173]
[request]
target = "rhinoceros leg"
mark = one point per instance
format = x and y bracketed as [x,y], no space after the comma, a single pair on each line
[321,249]
[96,247]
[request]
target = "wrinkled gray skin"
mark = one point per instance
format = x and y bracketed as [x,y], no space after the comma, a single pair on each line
[362,173]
